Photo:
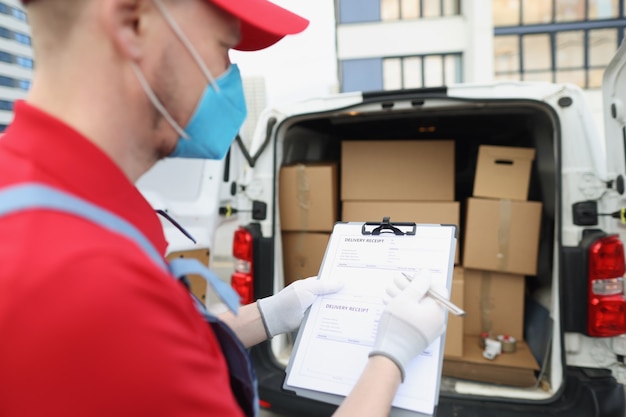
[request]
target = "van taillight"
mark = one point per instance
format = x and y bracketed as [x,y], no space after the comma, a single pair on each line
[242,279]
[607,304]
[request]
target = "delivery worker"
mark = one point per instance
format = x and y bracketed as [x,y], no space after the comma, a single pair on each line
[92,321]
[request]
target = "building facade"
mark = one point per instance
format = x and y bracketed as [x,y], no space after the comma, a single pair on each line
[384,44]
[16,58]
[390,44]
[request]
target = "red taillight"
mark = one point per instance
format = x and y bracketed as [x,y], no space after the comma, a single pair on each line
[242,279]
[607,305]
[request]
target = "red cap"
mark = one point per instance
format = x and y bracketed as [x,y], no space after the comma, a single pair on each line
[263,23]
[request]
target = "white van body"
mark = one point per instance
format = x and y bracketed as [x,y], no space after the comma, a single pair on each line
[581,164]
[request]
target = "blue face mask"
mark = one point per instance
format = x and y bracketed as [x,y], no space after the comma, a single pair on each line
[219,114]
[216,121]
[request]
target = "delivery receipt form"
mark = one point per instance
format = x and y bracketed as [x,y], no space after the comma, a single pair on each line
[340,329]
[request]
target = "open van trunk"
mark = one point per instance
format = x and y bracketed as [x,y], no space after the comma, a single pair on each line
[317,138]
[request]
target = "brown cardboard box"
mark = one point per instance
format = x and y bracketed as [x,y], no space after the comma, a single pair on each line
[502,235]
[308,197]
[503,172]
[404,211]
[516,369]
[303,254]
[454,330]
[494,303]
[405,170]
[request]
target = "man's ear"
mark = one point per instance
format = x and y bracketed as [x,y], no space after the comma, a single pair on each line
[122,22]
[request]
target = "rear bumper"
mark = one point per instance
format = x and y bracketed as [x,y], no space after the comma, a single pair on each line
[587,393]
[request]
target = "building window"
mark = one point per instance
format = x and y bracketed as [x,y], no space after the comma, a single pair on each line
[6,105]
[421,71]
[21,38]
[415,9]
[19,14]
[564,41]
[23,61]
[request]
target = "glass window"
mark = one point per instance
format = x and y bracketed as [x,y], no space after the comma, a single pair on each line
[392,74]
[410,9]
[24,84]
[545,76]
[506,12]
[603,9]
[6,57]
[6,33]
[508,77]
[389,9]
[4,9]
[570,10]
[451,7]
[452,69]
[536,12]
[576,77]
[602,46]
[595,78]
[24,62]
[506,53]
[21,38]
[6,105]
[536,54]
[432,8]
[412,72]
[18,14]
[7,81]
[570,49]
[433,71]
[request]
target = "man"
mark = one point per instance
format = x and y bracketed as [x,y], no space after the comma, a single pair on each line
[90,323]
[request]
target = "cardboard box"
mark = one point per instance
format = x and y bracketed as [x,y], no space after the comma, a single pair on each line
[454,330]
[308,197]
[404,211]
[494,303]
[502,235]
[516,369]
[403,170]
[303,254]
[503,172]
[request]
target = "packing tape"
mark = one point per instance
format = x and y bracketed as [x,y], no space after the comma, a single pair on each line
[485,302]
[509,344]
[303,195]
[504,233]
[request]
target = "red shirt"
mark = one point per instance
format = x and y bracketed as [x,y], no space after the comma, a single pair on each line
[89,325]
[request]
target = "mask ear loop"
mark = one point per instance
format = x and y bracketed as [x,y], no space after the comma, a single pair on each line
[183,38]
[157,103]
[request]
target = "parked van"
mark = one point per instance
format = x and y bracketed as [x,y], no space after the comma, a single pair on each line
[574,308]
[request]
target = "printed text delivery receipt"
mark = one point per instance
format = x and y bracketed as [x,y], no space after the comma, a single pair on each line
[339,332]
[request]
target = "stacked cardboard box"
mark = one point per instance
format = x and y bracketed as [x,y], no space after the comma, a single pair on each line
[407,181]
[308,207]
[501,239]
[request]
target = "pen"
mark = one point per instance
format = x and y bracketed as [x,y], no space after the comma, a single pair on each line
[453,308]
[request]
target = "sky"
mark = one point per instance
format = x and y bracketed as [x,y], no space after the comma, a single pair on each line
[299,66]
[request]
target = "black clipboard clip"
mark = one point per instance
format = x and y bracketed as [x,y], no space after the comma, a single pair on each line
[375,228]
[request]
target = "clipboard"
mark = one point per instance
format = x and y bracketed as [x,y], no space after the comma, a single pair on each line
[338,331]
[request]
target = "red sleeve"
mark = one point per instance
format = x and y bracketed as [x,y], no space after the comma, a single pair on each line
[110,338]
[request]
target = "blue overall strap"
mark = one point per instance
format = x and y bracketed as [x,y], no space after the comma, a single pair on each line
[181,267]
[37,196]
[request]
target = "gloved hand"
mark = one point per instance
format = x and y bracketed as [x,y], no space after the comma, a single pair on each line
[283,312]
[410,322]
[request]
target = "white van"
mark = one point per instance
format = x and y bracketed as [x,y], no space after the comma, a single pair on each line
[576,309]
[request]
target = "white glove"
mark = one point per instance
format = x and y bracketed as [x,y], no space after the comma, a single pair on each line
[410,322]
[283,312]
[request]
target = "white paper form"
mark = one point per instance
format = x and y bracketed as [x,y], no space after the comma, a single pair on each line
[340,329]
